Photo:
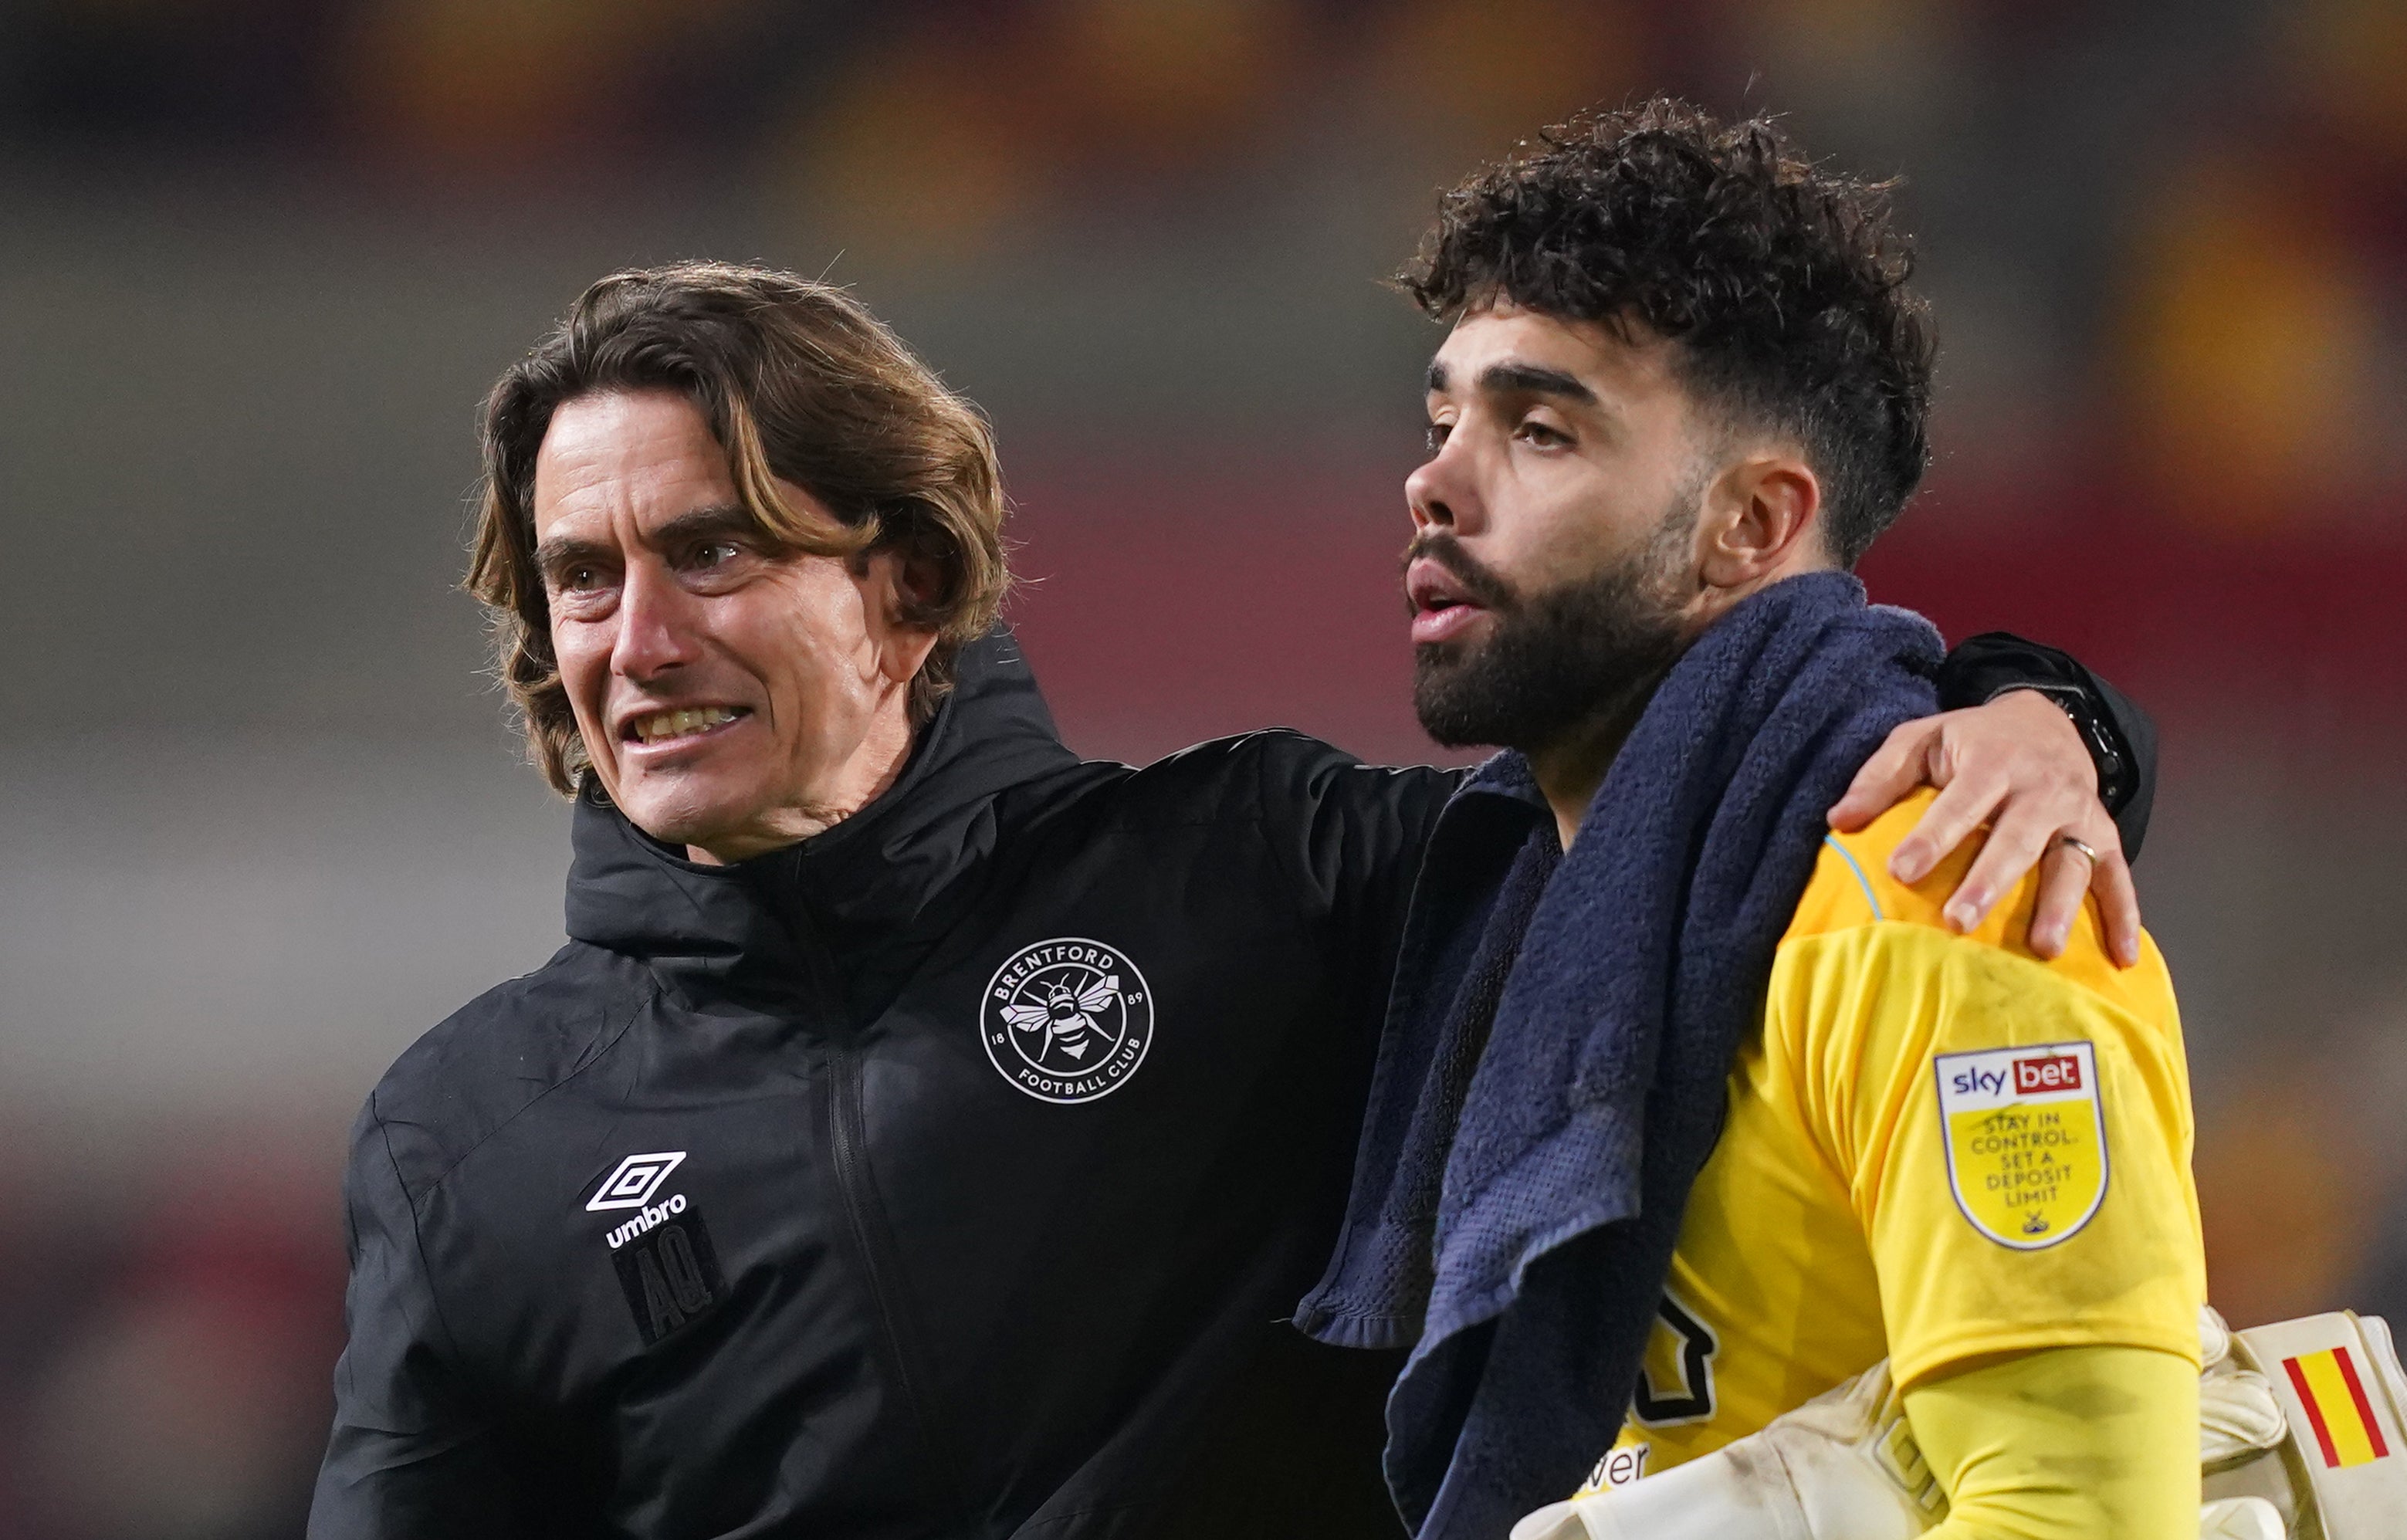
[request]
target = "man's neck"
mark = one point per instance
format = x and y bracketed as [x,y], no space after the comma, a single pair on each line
[1569,775]
[1569,769]
[871,770]
[1572,768]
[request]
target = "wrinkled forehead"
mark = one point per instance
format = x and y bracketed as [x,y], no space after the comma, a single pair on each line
[627,460]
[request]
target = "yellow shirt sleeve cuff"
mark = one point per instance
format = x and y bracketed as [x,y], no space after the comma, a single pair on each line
[2064,1444]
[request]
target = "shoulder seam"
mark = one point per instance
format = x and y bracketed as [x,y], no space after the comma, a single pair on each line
[1861,880]
[651,994]
[416,1232]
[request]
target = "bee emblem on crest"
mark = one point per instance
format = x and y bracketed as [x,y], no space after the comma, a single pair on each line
[1067,1021]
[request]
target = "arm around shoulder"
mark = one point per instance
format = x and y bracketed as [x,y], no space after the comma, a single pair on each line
[1351,836]
[2120,736]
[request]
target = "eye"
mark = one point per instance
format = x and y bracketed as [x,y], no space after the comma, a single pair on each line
[1438,433]
[714,553]
[580,579]
[1541,434]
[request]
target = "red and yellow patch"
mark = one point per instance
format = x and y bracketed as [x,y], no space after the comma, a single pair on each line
[2347,1432]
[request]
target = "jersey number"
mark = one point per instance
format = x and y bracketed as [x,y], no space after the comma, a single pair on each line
[1693,1346]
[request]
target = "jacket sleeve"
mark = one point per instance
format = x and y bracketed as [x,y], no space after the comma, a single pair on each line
[1363,831]
[410,1454]
[2122,740]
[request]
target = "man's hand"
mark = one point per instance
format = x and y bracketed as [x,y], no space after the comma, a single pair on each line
[2017,765]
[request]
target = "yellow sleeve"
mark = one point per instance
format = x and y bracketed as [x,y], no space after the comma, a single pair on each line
[2013,1137]
[2066,1443]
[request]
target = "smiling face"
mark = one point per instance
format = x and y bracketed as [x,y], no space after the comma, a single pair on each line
[732,697]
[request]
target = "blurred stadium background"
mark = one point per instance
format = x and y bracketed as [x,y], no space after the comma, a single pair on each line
[260,823]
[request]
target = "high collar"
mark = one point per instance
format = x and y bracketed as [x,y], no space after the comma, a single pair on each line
[871,876]
[1506,773]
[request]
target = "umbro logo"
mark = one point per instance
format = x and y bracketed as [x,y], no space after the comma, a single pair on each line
[662,1252]
[634,1183]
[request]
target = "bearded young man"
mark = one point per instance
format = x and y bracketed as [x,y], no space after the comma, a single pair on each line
[924,1132]
[1689,1110]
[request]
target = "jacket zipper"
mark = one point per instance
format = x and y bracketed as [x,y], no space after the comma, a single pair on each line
[848,1149]
[846,1144]
[847,1154]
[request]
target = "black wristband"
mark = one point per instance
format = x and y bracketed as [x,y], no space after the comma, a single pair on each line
[2118,778]
[1986,666]
[2121,740]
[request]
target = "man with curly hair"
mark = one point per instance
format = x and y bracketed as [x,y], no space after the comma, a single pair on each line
[924,1131]
[1691,1109]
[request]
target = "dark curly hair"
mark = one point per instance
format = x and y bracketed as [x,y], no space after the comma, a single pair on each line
[1784,284]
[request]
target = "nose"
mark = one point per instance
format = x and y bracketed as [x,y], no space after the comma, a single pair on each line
[657,632]
[1440,491]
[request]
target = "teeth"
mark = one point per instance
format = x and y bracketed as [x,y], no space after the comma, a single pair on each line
[672,724]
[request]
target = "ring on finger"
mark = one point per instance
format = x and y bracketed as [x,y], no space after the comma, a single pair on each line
[2076,842]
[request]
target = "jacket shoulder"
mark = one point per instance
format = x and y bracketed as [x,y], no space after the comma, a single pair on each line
[497,1056]
[1278,772]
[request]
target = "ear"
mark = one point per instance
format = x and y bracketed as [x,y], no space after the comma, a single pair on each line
[1761,522]
[897,587]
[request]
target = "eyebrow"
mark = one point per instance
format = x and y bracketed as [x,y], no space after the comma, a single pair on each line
[694,524]
[1528,379]
[559,551]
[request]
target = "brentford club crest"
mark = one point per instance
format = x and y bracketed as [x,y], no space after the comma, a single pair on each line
[1067,1021]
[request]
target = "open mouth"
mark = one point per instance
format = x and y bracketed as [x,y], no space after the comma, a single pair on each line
[1441,605]
[691,721]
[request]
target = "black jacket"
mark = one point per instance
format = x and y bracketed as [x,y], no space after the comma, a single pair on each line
[897,1262]
[849,1192]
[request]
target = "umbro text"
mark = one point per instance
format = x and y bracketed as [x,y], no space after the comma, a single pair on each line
[656,1214]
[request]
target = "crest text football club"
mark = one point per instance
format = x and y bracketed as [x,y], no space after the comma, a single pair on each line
[1067,1020]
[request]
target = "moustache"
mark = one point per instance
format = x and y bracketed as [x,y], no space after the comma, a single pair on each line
[1485,587]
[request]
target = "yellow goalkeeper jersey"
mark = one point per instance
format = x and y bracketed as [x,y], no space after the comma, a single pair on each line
[1939,1148]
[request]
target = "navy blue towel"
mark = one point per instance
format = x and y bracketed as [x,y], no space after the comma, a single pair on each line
[1552,1074]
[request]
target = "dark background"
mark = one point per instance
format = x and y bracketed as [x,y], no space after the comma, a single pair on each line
[263,823]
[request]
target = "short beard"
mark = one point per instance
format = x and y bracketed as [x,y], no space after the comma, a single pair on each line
[1558,664]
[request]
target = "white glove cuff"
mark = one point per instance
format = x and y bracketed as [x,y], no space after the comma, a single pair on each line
[1722,1496]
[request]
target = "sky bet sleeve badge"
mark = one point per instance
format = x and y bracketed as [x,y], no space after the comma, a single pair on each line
[2026,1140]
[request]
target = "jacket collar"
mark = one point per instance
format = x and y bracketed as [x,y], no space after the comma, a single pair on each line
[1504,774]
[844,892]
